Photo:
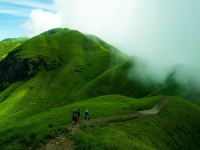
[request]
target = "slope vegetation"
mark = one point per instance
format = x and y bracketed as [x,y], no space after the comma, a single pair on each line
[177,126]
[60,67]
[44,78]
[8,45]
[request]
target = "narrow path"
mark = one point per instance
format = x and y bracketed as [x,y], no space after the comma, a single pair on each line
[156,109]
[59,143]
[139,114]
[63,142]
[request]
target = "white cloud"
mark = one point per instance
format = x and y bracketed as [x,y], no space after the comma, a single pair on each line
[89,16]
[162,33]
[104,18]
[40,21]
[11,12]
[31,3]
[14,11]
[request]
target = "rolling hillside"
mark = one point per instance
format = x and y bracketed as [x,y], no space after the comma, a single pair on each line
[175,127]
[172,87]
[61,67]
[8,45]
[44,78]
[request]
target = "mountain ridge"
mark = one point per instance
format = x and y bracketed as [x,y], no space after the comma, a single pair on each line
[44,78]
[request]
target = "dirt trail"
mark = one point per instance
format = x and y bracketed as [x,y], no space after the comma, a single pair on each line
[156,109]
[59,143]
[63,142]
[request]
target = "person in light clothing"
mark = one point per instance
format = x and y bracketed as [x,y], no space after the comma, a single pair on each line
[87,117]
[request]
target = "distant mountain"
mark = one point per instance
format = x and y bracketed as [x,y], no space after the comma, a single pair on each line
[14,39]
[8,45]
[43,79]
[172,87]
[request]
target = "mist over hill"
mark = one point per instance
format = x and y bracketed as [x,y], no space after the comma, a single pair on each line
[163,35]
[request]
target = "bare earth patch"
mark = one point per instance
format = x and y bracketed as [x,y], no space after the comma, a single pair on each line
[59,143]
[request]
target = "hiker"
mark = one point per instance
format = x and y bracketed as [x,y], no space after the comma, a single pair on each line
[75,117]
[79,115]
[87,114]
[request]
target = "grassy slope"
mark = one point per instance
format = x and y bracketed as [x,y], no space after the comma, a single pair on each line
[74,67]
[46,124]
[7,46]
[54,87]
[170,88]
[85,64]
[176,127]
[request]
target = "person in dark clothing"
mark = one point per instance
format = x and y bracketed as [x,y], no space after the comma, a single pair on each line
[87,114]
[79,115]
[75,117]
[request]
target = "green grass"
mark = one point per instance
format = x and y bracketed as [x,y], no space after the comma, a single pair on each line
[15,39]
[47,124]
[46,77]
[176,127]
[171,87]
[71,67]
[7,46]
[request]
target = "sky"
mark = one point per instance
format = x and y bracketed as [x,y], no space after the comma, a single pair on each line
[162,33]
[14,13]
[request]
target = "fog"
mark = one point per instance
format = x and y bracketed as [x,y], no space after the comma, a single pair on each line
[161,34]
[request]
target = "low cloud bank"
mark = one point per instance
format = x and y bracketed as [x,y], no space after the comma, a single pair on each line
[164,35]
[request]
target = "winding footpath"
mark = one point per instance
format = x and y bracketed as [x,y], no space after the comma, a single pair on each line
[63,142]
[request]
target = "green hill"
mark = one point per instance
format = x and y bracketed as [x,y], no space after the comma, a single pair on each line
[171,87]
[8,45]
[44,78]
[15,39]
[176,127]
[61,67]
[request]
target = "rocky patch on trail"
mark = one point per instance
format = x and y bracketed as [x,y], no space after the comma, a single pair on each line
[58,143]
